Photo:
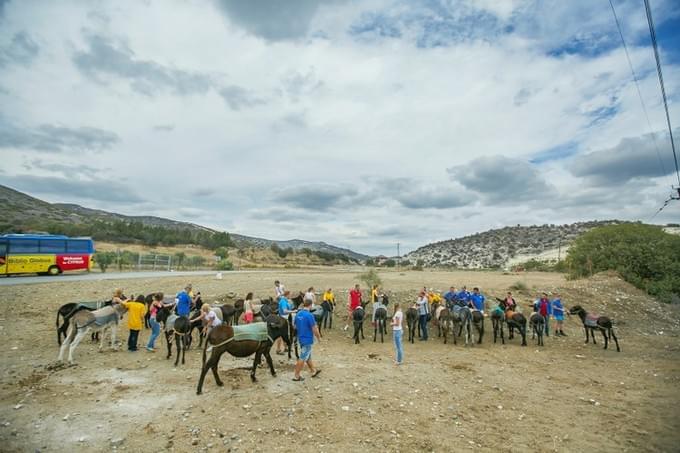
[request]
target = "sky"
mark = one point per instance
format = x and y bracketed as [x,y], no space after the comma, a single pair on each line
[364,124]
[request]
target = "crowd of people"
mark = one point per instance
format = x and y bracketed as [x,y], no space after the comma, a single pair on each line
[306,323]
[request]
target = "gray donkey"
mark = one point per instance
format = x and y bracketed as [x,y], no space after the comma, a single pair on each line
[98,321]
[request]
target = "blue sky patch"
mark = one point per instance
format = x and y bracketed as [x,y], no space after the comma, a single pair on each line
[558,152]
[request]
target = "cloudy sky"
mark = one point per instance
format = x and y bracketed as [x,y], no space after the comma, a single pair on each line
[359,123]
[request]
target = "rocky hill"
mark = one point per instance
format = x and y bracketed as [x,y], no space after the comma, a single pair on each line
[503,247]
[21,212]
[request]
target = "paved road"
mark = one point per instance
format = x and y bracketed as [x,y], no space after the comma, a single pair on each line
[24,280]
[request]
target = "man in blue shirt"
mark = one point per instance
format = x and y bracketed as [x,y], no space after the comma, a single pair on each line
[463,297]
[284,309]
[450,297]
[306,331]
[183,302]
[477,300]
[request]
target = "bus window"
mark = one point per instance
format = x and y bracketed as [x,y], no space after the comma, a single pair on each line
[52,246]
[78,246]
[23,246]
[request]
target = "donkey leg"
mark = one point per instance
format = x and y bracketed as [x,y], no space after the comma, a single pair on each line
[604,335]
[184,349]
[178,345]
[169,344]
[615,339]
[74,344]
[270,362]
[67,341]
[257,359]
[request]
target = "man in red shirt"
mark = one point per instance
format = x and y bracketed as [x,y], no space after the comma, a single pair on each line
[353,301]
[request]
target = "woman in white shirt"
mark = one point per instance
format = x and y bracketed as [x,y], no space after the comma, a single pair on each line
[397,333]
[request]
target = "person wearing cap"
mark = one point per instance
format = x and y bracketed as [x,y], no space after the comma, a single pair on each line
[183,302]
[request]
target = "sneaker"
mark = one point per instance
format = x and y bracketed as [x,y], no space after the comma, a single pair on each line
[563,334]
[150,350]
[209,349]
[346,327]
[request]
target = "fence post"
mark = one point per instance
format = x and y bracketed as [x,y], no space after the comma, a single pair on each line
[139,262]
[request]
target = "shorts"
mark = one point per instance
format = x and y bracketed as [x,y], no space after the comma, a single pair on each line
[248,317]
[305,352]
[559,317]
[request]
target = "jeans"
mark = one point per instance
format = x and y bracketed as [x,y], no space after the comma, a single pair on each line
[132,340]
[397,336]
[155,331]
[423,326]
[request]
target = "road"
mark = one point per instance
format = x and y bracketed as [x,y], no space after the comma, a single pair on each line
[24,280]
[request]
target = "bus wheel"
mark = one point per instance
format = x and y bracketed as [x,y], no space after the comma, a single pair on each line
[53,270]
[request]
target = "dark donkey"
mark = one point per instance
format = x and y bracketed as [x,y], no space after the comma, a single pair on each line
[177,327]
[358,322]
[225,338]
[497,321]
[516,320]
[411,323]
[592,322]
[380,321]
[537,326]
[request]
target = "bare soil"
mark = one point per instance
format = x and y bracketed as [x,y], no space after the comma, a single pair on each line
[565,396]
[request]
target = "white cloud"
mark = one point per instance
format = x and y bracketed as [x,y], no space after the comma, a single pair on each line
[299,124]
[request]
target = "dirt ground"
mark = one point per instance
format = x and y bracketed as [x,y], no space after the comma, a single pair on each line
[565,396]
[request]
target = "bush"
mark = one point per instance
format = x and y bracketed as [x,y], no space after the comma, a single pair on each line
[519,286]
[104,259]
[644,255]
[390,263]
[370,278]
[224,265]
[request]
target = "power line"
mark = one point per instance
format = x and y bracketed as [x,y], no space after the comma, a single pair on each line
[652,33]
[637,86]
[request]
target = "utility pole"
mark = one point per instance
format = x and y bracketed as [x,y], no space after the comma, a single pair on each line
[398,258]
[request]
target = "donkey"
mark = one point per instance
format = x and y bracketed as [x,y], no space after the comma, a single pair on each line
[465,316]
[358,321]
[380,321]
[516,320]
[256,338]
[98,320]
[445,319]
[497,321]
[177,327]
[66,311]
[592,322]
[478,323]
[411,322]
[537,326]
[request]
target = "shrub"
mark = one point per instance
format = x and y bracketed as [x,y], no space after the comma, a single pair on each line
[644,255]
[224,265]
[519,286]
[370,278]
[104,259]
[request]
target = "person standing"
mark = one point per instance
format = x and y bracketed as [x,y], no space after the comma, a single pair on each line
[353,301]
[477,300]
[328,306]
[309,295]
[543,307]
[248,313]
[423,310]
[136,311]
[397,334]
[156,305]
[510,303]
[450,297]
[285,309]
[374,294]
[183,302]
[558,314]
[306,331]
[279,289]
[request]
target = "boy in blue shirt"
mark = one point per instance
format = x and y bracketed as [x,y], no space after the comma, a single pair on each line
[558,314]
[183,301]
[306,331]
[285,308]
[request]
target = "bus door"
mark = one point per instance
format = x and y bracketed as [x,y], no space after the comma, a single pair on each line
[3,257]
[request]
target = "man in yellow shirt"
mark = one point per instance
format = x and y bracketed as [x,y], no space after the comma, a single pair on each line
[136,311]
[328,306]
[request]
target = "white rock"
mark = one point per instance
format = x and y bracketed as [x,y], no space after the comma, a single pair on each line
[345,408]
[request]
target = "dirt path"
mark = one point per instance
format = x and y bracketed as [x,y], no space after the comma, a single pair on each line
[566,396]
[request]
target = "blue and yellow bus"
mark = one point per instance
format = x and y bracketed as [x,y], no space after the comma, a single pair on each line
[44,254]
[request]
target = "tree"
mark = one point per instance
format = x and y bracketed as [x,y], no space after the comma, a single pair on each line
[222,252]
[104,259]
[644,255]
[370,278]
[224,265]
[179,259]
[390,263]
